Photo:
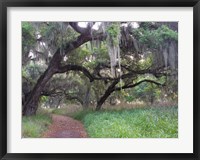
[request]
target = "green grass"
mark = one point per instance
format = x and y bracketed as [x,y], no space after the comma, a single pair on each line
[152,122]
[34,126]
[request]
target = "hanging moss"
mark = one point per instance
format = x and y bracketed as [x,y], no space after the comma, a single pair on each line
[112,29]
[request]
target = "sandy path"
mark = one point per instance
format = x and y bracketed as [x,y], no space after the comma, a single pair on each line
[65,127]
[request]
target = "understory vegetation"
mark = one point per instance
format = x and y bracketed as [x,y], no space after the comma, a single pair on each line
[159,122]
[34,126]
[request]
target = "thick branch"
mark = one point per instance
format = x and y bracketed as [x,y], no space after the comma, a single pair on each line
[156,72]
[83,38]
[92,77]
[138,83]
[71,67]
[77,28]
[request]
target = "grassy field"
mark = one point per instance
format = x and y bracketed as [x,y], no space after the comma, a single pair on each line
[133,123]
[34,126]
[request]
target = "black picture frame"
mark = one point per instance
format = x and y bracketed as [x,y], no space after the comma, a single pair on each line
[98,3]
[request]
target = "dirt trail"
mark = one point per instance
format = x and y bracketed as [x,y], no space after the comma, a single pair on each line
[65,127]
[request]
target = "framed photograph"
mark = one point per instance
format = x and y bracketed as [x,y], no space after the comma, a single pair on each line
[99,79]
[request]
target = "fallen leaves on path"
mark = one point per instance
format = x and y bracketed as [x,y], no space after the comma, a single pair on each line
[65,127]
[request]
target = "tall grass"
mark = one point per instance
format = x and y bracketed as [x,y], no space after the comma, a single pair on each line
[34,126]
[133,123]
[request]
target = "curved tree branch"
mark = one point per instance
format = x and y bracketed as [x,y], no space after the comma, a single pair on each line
[77,28]
[112,88]
[71,67]
[138,83]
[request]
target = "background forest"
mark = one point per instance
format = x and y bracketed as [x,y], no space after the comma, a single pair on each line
[120,79]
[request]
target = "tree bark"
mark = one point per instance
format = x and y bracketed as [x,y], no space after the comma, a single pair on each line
[110,89]
[31,103]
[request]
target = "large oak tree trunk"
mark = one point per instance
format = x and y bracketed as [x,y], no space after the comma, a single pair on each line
[31,103]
